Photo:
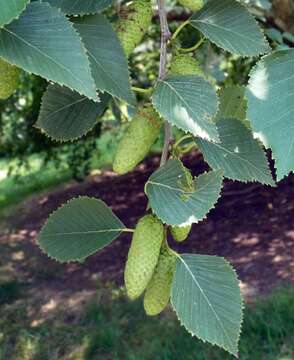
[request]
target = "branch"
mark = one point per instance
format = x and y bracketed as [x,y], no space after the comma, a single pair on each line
[165,36]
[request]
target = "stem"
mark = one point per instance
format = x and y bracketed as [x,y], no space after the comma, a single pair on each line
[185,137]
[188,148]
[141,90]
[167,141]
[128,230]
[179,29]
[193,48]
[165,36]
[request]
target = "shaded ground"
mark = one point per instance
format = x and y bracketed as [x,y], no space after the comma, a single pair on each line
[77,312]
[252,226]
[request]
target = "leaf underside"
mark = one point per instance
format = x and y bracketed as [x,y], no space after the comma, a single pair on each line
[174,204]
[207,300]
[270,96]
[78,229]
[42,41]
[230,26]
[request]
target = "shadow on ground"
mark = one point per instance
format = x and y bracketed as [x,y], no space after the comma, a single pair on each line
[252,226]
[43,303]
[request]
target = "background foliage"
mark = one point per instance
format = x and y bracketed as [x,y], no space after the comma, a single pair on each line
[79,157]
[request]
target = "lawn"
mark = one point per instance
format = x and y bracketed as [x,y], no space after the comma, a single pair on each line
[36,176]
[111,327]
[31,180]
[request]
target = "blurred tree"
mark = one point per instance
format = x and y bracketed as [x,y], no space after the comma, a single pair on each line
[18,137]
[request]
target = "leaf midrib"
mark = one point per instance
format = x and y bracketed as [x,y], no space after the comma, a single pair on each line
[47,56]
[239,157]
[257,42]
[206,298]
[108,75]
[66,107]
[83,232]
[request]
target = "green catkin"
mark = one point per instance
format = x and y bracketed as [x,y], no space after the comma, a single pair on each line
[133,24]
[180,233]
[193,5]
[142,132]
[9,79]
[143,255]
[184,64]
[158,290]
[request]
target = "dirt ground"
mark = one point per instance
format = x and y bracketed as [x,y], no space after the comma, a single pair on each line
[252,226]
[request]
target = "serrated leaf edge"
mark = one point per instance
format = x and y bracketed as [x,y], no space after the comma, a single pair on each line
[242,312]
[205,216]
[127,63]
[179,127]
[260,30]
[272,184]
[83,13]
[17,16]
[62,140]
[96,99]
[253,69]
[56,210]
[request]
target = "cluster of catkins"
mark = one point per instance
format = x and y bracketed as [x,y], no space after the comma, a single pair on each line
[151,263]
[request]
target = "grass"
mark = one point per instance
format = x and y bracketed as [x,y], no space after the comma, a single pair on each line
[37,177]
[111,327]
[30,181]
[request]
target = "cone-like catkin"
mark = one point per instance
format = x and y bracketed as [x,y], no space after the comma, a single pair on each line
[180,233]
[143,255]
[9,79]
[183,64]
[158,290]
[133,24]
[143,130]
[193,5]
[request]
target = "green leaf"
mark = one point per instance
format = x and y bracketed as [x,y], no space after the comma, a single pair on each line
[78,229]
[259,4]
[174,201]
[270,96]
[42,41]
[188,102]
[275,35]
[66,115]
[108,62]
[11,10]
[288,36]
[238,154]
[233,103]
[80,7]
[230,26]
[207,300]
